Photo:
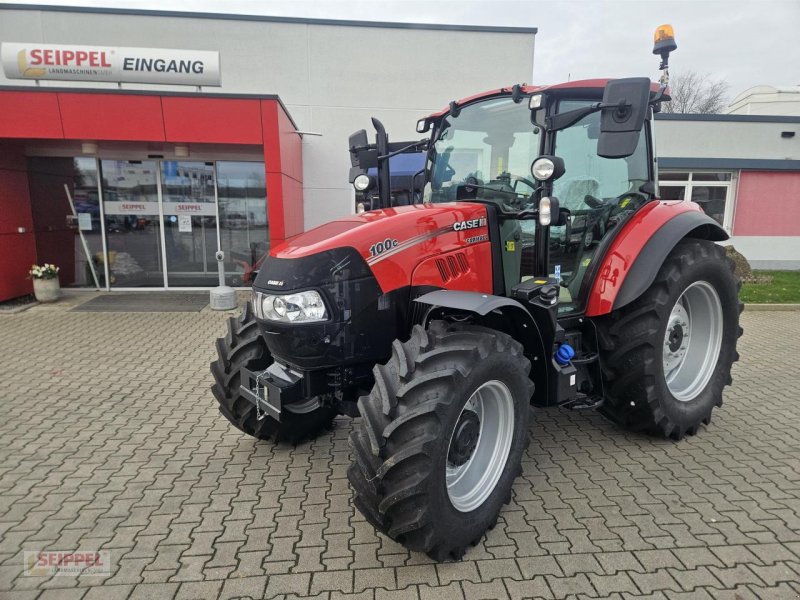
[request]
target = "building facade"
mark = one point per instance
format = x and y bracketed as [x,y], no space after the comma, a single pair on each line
[134,144]
[744,170]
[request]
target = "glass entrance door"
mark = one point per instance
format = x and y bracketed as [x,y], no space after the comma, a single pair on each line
[133,223]
[189,207]
[161,221]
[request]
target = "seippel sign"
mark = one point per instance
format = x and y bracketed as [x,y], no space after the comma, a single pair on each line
[111,64]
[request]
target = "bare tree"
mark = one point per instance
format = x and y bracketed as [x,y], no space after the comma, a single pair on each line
[697,93]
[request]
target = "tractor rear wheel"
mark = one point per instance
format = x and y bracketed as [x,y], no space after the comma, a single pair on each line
[441,437]
[667,356]
[244,346]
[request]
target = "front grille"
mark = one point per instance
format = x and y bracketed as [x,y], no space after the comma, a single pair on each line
[452,266]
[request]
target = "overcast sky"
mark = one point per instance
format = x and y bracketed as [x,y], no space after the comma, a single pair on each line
[745,42]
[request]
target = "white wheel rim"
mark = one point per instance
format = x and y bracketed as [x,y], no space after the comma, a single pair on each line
[692,341]
[471,483]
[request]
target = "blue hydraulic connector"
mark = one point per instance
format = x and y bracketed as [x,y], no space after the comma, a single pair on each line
[564,354]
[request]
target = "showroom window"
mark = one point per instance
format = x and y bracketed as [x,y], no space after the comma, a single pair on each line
[129,224]
[243,228]
[712,190]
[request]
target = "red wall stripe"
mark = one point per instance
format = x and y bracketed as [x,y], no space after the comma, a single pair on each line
[212,120]
[30,115]
[111,117]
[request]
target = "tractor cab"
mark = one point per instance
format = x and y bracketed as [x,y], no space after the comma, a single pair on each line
[525,144]
[558,167]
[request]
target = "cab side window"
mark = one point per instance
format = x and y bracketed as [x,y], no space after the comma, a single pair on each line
[598,192]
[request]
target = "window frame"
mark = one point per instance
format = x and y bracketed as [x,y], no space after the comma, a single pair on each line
[689,184]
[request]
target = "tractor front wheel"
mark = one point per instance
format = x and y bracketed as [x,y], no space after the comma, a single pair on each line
[244,346]
[667,356]
[441,437]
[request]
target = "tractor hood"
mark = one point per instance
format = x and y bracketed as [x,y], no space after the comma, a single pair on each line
[367,268]
[390,243]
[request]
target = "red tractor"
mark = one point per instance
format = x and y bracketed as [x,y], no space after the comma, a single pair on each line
[540,268]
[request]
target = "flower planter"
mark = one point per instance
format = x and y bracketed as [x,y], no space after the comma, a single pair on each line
[46,290]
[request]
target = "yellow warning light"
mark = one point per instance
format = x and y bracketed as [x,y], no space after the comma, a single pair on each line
[664,40]
[664,32]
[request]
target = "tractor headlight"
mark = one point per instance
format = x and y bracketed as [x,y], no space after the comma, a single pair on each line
[300,307]
[546,168]
[542,169]
[362,182]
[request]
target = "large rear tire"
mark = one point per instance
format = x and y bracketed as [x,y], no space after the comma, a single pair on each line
[244,346]
[441,437]
[667,356]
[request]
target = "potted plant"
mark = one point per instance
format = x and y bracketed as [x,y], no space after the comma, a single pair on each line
[46,287]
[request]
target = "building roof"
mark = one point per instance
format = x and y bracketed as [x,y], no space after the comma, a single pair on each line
[767,99]
[767,89]
[267,18]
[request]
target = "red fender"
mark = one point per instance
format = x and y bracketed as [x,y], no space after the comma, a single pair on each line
[626,248]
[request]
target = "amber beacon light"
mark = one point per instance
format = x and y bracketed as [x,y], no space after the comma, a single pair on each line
[664,40]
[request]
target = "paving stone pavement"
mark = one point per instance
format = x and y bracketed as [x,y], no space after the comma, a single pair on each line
[110,440]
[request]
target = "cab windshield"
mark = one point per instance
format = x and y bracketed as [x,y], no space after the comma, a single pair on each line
[485,151]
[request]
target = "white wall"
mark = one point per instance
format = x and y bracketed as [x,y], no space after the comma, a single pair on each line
[331,78]
[726,139]
[768,252]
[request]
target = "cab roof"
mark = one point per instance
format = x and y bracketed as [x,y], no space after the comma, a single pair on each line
[586,85]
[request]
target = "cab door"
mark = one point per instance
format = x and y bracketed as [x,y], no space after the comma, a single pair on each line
[598,192]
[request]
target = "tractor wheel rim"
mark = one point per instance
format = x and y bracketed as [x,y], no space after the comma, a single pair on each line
[471,483]
[692,341]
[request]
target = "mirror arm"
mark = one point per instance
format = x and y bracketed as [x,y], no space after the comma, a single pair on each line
[563,120]
[420,146]
[362,148]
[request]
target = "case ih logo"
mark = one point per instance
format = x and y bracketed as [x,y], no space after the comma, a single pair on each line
[471,224]
[98,63]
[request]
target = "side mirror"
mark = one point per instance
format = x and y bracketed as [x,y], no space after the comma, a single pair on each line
[357,143]
[625,104]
